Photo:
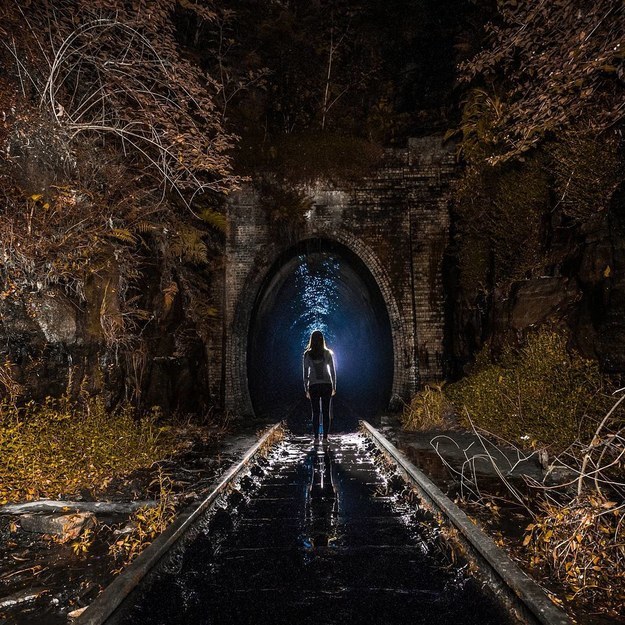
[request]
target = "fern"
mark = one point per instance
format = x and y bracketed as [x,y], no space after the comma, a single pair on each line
[145,226]
[122,234]
[214,219]
[188,246]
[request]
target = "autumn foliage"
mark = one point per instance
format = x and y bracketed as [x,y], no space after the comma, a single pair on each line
[60,448]
[108,127]
[582,545]
[541,136]
[117,71]
[548,66]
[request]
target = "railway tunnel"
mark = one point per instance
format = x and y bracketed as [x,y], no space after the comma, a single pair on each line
[320,285]
[374,250]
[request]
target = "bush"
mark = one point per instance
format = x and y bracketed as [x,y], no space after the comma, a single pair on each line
[428,409]
[540,394]
[58,448]
[582,545]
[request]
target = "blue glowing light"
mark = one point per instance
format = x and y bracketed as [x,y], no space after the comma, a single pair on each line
[317,297]
[331,292]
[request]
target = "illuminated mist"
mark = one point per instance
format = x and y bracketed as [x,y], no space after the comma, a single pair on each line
[326,289]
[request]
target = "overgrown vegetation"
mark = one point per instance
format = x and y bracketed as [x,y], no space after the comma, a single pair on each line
[94,148]
[352,67]
[581,544]
[146,523]
[115,165]
[543,395]
[428,409]
[540,135]
[548,65]
[503,229]
[285,207]
[540,394]
[577,533]
[59,448]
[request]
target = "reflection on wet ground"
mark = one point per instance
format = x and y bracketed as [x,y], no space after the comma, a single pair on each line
[468,480]
[314,535]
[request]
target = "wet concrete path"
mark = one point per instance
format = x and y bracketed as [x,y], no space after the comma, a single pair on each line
[314,535]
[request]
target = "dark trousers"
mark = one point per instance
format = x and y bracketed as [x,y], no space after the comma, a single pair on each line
[320,396]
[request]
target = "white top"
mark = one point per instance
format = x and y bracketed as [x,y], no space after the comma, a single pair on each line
[319,371]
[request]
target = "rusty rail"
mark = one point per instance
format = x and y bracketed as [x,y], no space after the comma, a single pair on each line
[520,592]
[112,597]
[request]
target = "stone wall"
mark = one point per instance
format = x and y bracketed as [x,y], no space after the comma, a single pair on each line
[396,221]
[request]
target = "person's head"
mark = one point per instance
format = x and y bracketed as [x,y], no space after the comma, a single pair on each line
[317,344]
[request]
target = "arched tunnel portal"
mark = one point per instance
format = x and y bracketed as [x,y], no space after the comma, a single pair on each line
[371,252]
[320,284]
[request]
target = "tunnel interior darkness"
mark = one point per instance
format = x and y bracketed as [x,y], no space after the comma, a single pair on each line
[320,285]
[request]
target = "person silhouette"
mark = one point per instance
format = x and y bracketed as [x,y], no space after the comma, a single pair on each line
[319,381]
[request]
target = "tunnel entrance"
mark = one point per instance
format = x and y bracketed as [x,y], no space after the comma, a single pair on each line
[320,285]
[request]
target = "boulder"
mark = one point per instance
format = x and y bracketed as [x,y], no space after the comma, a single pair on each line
[66,526]
[535,300]
[55,315]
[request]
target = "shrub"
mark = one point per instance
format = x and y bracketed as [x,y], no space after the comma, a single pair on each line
[582,545]
[428,409]
[540,394]
[147,523]
[58,448]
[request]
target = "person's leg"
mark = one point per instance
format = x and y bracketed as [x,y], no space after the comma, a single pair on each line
[314,403]
[326,399]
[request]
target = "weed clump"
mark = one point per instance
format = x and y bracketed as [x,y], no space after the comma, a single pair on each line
[582,545]
[58,448]
[540,393]
[427,410]
[147,523]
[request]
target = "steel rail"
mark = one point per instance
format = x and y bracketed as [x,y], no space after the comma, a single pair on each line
[522,593]
[112,597]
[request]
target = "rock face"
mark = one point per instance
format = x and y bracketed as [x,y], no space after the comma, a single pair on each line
[52,344]
[583,292]
[65,526]
[536,300]
[40,338]
[55,316]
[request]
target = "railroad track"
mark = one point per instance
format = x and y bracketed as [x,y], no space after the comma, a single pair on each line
[348,533]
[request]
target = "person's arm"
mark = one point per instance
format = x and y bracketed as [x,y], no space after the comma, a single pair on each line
[332,372]
[306,372]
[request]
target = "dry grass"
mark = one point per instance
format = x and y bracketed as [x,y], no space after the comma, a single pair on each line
[59,448]
[428,410]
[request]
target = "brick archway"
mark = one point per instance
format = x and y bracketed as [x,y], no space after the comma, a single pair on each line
[395,222]
[272,258]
